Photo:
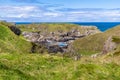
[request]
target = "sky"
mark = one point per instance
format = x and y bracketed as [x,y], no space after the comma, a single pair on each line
[60,10]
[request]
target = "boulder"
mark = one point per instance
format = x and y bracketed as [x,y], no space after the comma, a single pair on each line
[55,49]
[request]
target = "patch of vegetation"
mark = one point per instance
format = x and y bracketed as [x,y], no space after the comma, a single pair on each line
[116,39]
[24,66]
[43,67]
[53,27]
[6,23]
[9,42]
[94,43]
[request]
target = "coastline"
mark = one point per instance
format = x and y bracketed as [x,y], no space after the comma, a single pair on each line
[102,26]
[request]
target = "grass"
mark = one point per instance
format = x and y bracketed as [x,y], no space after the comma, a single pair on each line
[94,43]
[116,39]
[44,67]
[9,42]
[29,66]
[17,66]
[54,27]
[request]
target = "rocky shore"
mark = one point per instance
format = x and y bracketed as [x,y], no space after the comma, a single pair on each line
[58,41]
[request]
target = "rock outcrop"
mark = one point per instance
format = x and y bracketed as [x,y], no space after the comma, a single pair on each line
[109,46]
[14,29]
[57,41]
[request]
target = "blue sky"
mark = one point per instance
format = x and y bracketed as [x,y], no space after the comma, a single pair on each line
[60,10]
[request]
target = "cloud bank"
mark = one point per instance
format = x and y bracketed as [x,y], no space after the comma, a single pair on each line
[56,13]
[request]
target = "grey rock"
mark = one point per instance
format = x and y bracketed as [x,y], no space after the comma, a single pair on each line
[14,29]
[109,46]
[51,39]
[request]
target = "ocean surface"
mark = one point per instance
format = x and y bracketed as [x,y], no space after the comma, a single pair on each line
[103,26]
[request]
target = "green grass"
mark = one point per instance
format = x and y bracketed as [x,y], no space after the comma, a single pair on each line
[17,66]
[116,39]
[54,27]
[94,43]
[9,42]
[44,67]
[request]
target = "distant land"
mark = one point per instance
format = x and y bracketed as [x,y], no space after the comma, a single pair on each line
[103,26]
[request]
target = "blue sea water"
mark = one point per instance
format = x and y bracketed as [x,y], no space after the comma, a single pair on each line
[103,26]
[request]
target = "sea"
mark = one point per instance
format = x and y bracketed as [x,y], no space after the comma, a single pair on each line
[103,26]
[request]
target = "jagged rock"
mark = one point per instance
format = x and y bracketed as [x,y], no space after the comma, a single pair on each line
[14,29]
[33,48]
[77,57]
[55,49]
[51,39]
[31,36]
[109,46]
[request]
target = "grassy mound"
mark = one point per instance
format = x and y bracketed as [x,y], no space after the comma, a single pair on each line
[94,43]
[11,43]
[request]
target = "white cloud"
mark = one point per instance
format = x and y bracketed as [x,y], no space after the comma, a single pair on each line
[52,14]
[93,15]
[20,11]
[37,13]
[17,8]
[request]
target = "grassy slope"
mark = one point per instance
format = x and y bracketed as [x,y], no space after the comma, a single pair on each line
[11,43]
[49,27]
[94,43]
[43,67]
[39,67]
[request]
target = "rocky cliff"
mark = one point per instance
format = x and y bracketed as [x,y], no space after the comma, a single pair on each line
[57,39]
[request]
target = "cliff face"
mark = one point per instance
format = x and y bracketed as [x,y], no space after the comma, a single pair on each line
[109,46]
